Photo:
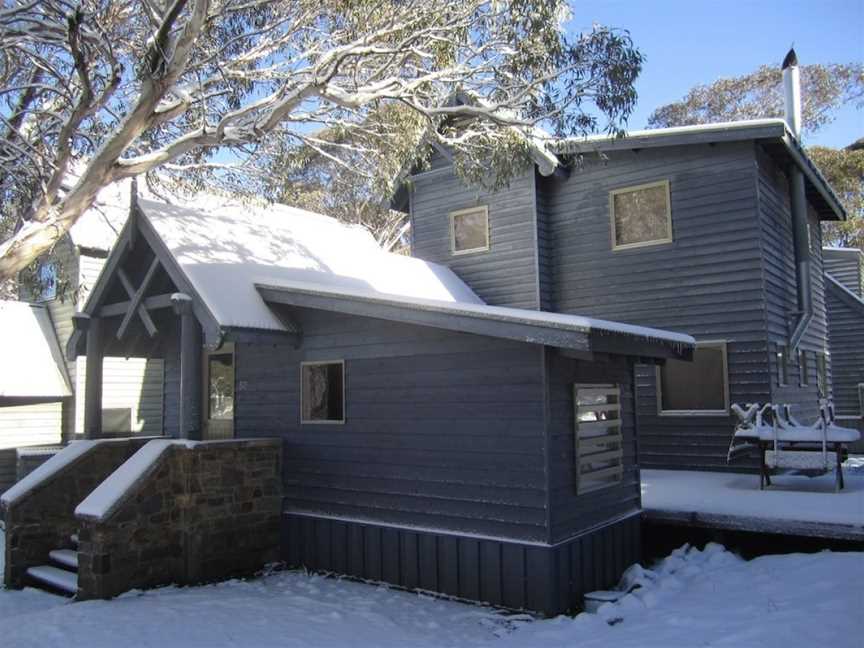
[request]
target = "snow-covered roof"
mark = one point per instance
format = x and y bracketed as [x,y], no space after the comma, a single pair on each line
[99,226]
[480,310]
[573,144]
[30,353]
[224,247]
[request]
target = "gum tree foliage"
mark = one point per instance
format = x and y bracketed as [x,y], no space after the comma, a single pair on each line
[207,92]
[824,89]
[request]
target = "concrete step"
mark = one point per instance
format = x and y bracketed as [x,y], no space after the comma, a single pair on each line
[55,578]
[66,558]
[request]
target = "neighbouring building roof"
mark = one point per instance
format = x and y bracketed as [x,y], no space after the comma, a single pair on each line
[30,353]
[844,294]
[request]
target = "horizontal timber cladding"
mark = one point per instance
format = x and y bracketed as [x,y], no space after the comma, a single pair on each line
[847,354]
[506,274]
[847,267]
[781,291]
[442,430]
[570,511]
[540,578]
[707,282]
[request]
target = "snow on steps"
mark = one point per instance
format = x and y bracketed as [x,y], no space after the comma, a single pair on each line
[68,455]
[65,558]
[54,577]
[108,495]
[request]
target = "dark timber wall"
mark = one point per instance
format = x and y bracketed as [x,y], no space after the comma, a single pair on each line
[705,283]
[571,513]
[780,289]
[452,447]
[847,351]
[846,265]
[506,275]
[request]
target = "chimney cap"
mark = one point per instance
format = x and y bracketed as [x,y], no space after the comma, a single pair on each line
[791,59]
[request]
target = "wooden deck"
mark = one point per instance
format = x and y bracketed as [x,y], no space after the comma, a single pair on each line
[794,505]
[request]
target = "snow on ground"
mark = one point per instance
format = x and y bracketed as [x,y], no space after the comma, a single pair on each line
[790,497]
[692,598]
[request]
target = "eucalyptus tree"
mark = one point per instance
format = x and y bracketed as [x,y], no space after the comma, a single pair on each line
[213,91]
[825,89]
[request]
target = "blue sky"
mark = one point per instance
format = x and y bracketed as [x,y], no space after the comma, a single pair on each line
[698,41]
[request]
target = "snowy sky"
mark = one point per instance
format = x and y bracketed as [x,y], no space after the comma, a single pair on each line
[687,42]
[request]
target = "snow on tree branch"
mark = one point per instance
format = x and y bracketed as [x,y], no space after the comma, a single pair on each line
[254,94]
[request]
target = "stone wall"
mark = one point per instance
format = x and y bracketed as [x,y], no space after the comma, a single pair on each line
[204,512]
[44,518]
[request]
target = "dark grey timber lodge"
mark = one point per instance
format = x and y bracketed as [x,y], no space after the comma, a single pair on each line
[464,420]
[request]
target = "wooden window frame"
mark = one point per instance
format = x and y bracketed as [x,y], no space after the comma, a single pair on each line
[311,363]
[782,351]
[225,349]
[462,212]
[648,185]
[803,369]
[723,344]
[616,471]
[822,374]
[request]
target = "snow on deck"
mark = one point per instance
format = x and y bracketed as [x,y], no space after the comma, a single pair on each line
[793,504]
[691,598]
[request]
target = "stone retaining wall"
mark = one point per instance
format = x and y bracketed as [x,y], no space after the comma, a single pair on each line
[203,513]
[43,518]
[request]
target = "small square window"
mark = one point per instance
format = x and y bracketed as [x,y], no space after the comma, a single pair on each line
[782,365]
[641,215]
[599,445]
[469,230]
[322,392]
[46,282]
[803,369]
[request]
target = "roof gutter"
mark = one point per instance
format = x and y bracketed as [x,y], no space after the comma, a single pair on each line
[798,202]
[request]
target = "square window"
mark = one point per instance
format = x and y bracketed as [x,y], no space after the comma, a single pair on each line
[469,230]
[322,392]
[641,215]
[599,446]
[697,387]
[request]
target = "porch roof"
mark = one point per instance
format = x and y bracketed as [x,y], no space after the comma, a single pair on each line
[31,354]
[537,327]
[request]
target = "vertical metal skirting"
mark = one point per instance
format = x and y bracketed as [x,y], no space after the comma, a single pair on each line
[546,579]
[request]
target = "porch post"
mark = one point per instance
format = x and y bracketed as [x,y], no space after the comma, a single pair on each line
[190,367]
[93,377]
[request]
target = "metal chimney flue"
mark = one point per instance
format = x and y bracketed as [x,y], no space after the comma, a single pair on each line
[798,205]
[792,92]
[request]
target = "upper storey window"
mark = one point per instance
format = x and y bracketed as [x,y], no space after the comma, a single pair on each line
[469,230]
[641,215]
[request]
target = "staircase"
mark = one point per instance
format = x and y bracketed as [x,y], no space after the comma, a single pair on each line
[61,574]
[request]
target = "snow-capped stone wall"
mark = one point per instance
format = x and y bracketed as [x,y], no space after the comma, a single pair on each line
[39,509]
[199,512]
